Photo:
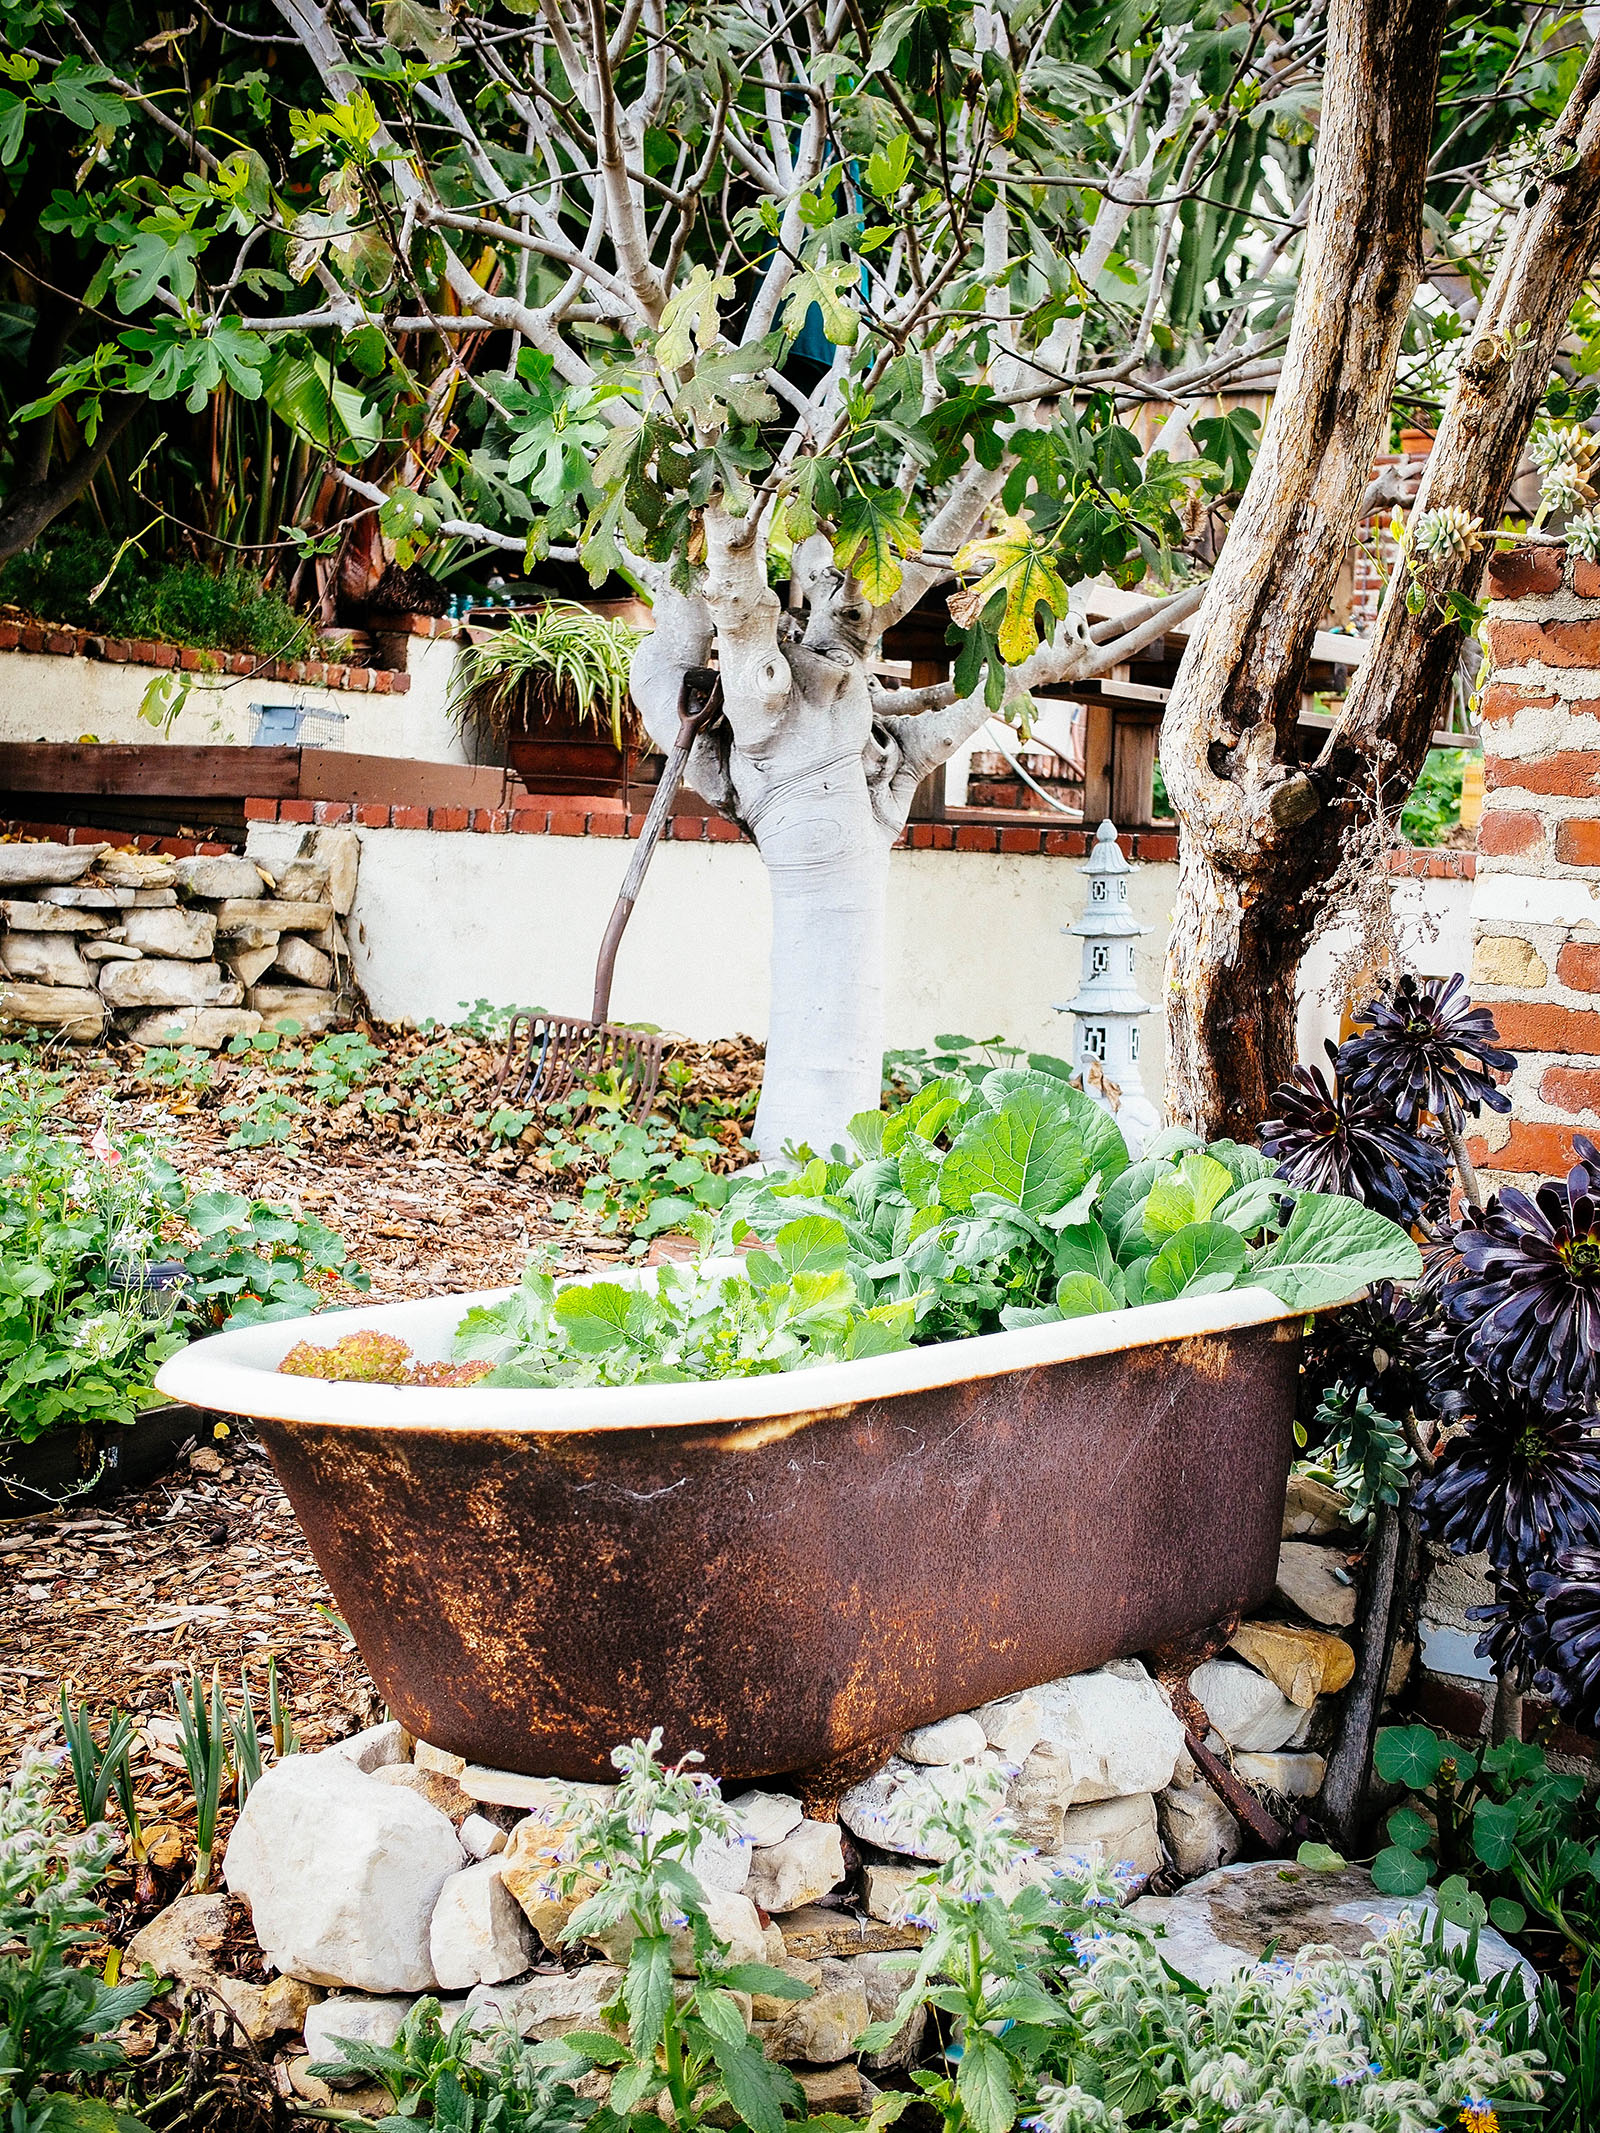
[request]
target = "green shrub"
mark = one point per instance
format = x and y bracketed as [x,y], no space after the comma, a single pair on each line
[177,602]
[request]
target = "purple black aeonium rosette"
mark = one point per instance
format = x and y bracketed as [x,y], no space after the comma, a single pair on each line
[1499,1345]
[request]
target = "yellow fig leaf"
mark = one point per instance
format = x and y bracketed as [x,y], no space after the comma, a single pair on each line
[876,529]
[691,312]
[1014,561]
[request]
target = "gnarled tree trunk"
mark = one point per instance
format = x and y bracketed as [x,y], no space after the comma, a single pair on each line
[1261,840]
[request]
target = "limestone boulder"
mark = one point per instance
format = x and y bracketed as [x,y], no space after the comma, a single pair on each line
[76,1010]
[109,951]
[892,1808]
[733,1919]
[833,2089]
[798,1869]
[478,1934]
[341,1874]
[44,959]
[41,917]
[1311,1508]
[1013,1726]
[481,1838]
[301,964]
[235,914]
[889,1890]
[531,1867]
[25,865]
[374,1747]
[88,896]
[189,936]
[1121,1834]
[208,1029]
[248,965]
[278,1005]
[159,982]
[772,2006]
[152,899]
[884,1980]
[1199,1831]
[948,1740]
[1246,1709]
[1292,1776]
[143,871]
[346,2018]
[1226,1921]
[766,1817]
[1305,1663]
[822,2029]
[218,875]
[430,1785]
[1107,1735]
[549,2006]
[184,1942]
[303,881]
[1315,1580]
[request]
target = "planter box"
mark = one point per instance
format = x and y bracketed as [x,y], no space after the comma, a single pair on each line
[780,1571]
[111,1457]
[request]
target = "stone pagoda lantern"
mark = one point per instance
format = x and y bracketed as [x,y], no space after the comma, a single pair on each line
[1106,1007]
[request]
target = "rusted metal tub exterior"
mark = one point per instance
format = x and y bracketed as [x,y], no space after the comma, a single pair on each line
[779,1570]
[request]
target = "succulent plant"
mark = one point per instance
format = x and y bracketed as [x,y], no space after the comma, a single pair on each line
[1447,535]
[1528,1295]
[1426,1050]
[1583,536]
[1333,1139]
[1393,1345]
[1518,1483]
[1566,1638]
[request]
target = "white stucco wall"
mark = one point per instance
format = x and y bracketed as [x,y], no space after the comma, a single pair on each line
[45,696]
[975,938]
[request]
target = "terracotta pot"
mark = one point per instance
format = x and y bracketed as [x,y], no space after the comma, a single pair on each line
[777,1570]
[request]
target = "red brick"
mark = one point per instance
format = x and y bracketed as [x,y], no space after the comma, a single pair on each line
[214,851]
[530,821]
[360,679]
[606,825]
[1572,772]
[62,642]
[261,810]
[449,818]
[1585,578]
[1020,839]
[919,835]
[117,650]
[189,659]
[977,837]
[1541,1026]
[297,811]
[1452,1707]
[332,810]
[1534,1147]
[687,829]
[334,675]
[371,816]
[1510,830]
[164,655]
[1158,845]
[1517,573]
[1571,1088]
[1578,965]
[408,818]
[382,681]
[492,821]
[177,847]
[1557,644]
[399,683]
[10,636]
[567,822]
[719,830]
[1578,841]
[1502,700]
[33,637]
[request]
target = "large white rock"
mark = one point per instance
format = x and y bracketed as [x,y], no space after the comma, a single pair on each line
[160,983]
[147,872]
[892,1808]
[1114,1833]
[1198,1829]
[947,1740]
[44,959]
[29,916]
[26,864]
[220,874]
[73,1009]
[1308,1578]
[341,1874]
[187,935]
[797,1870]
[208,1029]
[1013,1725]
[302,964]
[357,2021]
[821,2030]
[766,1817]
[1227,1920]
[1293,1777]
[1246,1709]
[308,1009]
[375,1747]
[545,2007]
[884,1979]
[237,914]
[1105,1736]
[478,1934]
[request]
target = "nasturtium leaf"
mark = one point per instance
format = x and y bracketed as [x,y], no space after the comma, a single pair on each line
[1398,1872]
[1407,1755]
[1494,1834]
[1461,1904]
[1203,1259]
[1330,1250]
[1411,1831]
[1320,1858]
[1507,1914]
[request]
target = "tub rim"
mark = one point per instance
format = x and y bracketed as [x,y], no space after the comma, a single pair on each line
[236,1372]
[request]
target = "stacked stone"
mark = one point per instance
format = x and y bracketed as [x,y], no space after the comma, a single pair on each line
[174,951]
[1536,912]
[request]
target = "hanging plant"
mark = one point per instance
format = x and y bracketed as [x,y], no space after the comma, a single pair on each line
[560,661]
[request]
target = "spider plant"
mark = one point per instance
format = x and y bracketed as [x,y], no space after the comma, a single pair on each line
[560,658]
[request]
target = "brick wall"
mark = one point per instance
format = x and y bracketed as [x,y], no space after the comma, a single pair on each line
[1536,910]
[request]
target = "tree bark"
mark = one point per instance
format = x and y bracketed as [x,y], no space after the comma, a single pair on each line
[32,506]
[1227,748]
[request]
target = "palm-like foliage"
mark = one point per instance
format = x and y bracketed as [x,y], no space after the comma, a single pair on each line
[561,657]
